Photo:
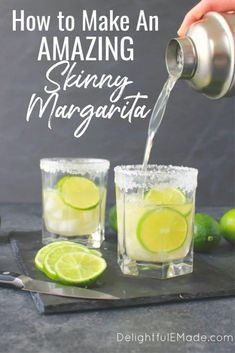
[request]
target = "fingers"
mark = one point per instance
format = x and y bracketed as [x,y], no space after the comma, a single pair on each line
[201,9]
[190,18]
[194,15]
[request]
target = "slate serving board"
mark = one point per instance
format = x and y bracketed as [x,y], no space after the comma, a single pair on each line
[213,276]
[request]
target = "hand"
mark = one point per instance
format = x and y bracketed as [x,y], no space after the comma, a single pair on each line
[201,9]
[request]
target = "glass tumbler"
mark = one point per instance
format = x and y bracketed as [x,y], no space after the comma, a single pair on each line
[74,199]
[155,214]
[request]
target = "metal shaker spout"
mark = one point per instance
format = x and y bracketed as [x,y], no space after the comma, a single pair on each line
[205,58]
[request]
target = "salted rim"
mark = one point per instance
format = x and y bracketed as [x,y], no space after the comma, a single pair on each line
[74,165]
[153,169]
[131,176]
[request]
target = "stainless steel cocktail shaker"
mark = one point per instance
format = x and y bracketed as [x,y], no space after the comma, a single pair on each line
[206,56]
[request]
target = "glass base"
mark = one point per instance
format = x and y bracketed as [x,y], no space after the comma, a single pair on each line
[164,270]
[93,240]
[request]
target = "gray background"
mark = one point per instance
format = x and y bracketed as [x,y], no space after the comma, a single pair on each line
[195,132]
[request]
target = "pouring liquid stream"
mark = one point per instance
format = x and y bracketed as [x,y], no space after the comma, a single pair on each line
[157,116]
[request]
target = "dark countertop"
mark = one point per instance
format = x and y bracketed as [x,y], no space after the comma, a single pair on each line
[24,330]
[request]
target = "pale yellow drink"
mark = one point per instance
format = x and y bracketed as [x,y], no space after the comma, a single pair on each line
[155,213]
[136,208]
[74,199]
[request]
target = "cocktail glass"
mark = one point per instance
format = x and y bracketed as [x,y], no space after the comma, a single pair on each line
[155,213]
[74,199]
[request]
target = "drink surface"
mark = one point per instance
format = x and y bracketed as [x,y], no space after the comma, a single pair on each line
[153,230]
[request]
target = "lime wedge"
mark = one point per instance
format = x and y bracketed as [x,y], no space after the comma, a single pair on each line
[55,253]
[79,268]
[80,193]
[162,230]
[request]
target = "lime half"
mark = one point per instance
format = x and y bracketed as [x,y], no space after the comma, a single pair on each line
[79,268]
[162,230]
[79,192]
[55,253]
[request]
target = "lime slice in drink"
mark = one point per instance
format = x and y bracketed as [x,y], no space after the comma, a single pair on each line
[95,252]
[162,230]
[80,193]
[55,253]
[61,181]
[184,209]
[169,197]
[79,268]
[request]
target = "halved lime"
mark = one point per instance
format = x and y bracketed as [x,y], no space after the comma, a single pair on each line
[79,268]
[79,192]
[55,253]
[162,230]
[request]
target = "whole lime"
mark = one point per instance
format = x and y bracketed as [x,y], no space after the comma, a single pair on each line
[227,226]
[206,233]
[113,218]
